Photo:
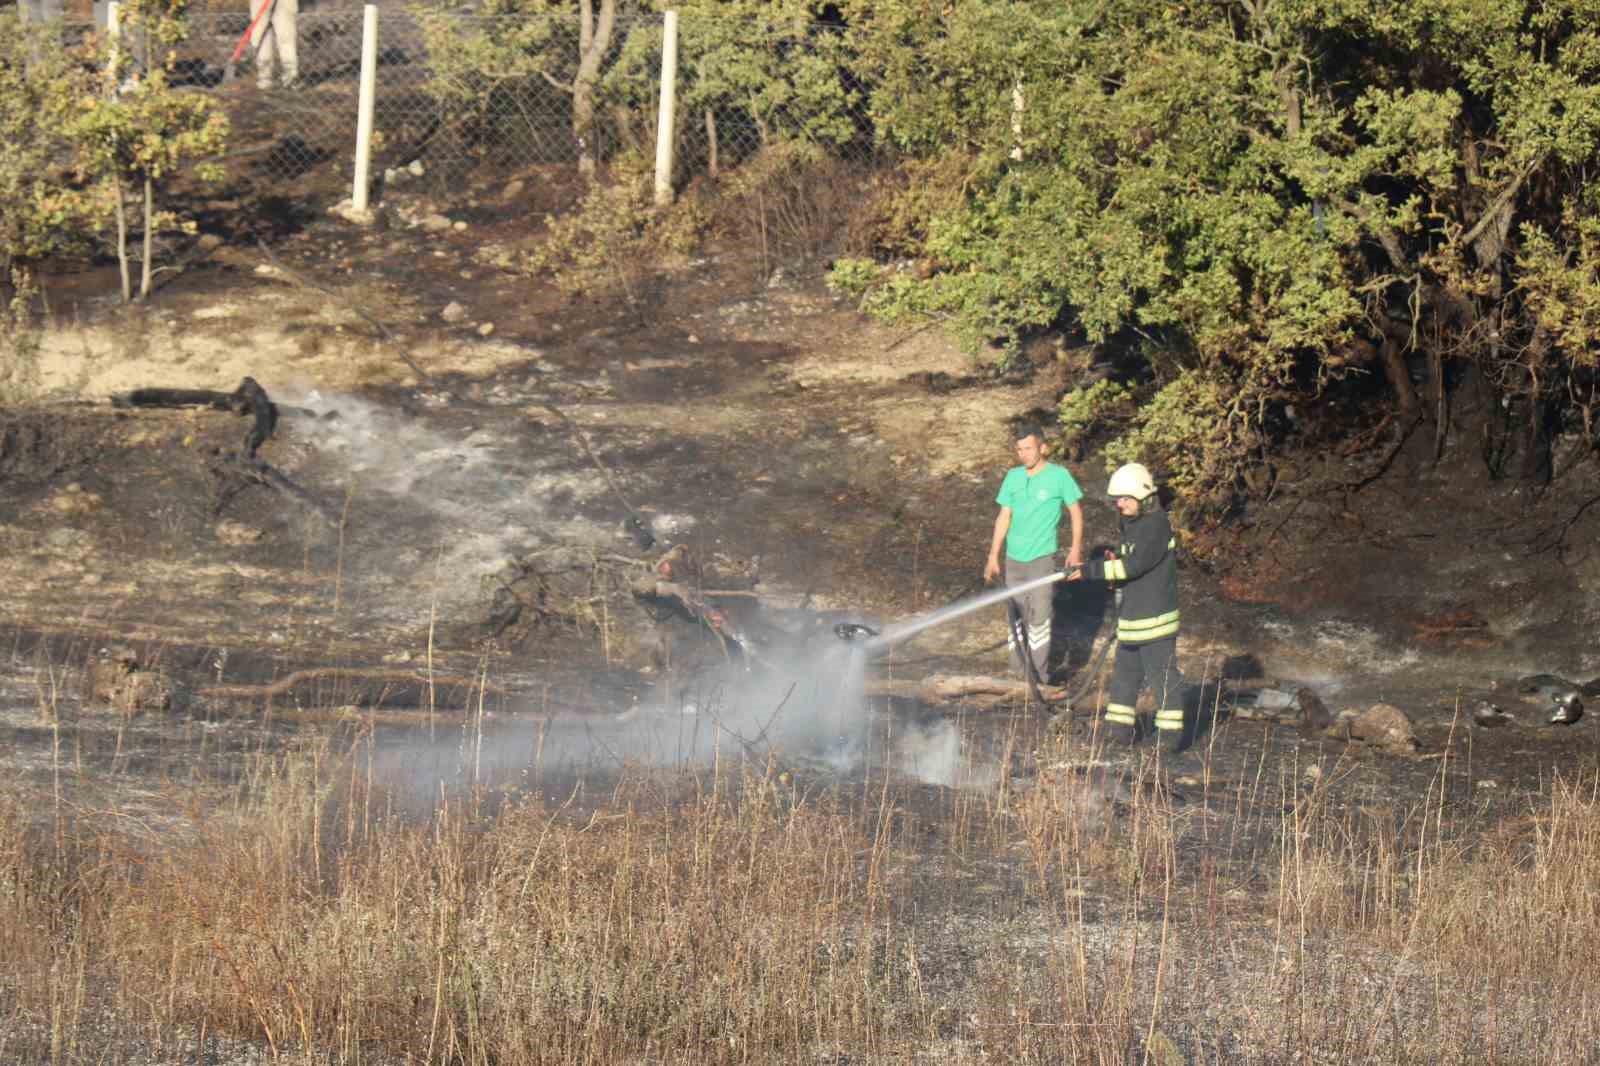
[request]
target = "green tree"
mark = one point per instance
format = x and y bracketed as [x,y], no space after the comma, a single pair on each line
[770,65]
[1256,198]
[506,43]
[140,132]
[43,210]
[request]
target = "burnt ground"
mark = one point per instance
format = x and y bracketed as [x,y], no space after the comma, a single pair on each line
[800,451]
[828,465]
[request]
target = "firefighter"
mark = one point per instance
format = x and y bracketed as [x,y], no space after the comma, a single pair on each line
[1144,571]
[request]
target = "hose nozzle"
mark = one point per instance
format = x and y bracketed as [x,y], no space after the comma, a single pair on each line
[853,631]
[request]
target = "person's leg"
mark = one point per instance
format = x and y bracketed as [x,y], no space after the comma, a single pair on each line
[263,45]
[1038,607]
[285,29]
[1122,695]
[1169,689]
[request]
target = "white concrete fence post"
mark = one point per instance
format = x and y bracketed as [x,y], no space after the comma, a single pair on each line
[114,35]
[369,92]
[669,97]
[1018,105]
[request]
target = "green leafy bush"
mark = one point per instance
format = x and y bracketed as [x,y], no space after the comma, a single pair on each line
[616,239]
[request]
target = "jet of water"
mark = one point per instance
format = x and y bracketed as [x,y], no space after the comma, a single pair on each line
[894,634]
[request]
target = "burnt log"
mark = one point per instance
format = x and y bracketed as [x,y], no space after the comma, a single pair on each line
[249,398]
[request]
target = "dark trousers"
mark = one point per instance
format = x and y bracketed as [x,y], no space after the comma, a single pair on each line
[1155,664]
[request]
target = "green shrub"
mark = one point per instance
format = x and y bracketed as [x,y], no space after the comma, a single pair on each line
[616,239]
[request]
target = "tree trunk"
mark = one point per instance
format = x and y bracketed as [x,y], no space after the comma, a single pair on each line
[149,236]
[1399,375]
[122,239]
[711,142]
[594,39]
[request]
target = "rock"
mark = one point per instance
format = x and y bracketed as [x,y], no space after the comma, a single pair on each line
[236,533]
[72,500]
[414,168]
[1382,725]
[1314,714]
[485,330]
[208,243]
[436,223]
[459,226]
[118,681]
[453,312]
[513,189]
[346,209]
[1490,715]
[65,538]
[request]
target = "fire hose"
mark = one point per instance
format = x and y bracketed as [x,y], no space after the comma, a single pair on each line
[1018,635]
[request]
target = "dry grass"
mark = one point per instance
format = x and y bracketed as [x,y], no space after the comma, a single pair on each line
[735,915]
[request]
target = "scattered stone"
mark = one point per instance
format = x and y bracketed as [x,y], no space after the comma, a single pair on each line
[1314,714]
[208,243]
[485,330]
[266,270]
[453,312]
[693,339]
[1489,715]
[1488,782]
[414,168]
[436,223]
[459,226]
[514,188]
[66,538]
[72,500]
[237,533]
[346,209]
[1382,725]
[400,657]
[119,681]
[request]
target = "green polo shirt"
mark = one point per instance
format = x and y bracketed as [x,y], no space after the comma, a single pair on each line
[1036,504]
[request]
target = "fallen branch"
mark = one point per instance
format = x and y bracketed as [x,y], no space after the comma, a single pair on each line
[253,471]
[357,685]
[249,398]
[946,688]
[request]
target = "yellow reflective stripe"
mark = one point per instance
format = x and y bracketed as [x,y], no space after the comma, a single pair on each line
[1141,629]
[1172,544]
[1121,714]
[1169,719]
[1115,571]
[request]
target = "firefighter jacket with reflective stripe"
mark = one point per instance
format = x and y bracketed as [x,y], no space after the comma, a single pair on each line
[1146,569]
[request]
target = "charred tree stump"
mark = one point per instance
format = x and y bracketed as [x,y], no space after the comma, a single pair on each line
[249,398]
[237,471]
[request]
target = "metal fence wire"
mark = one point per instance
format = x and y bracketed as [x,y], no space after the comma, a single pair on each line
[459,92]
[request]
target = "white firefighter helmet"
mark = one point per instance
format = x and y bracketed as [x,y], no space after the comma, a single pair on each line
[1132,480]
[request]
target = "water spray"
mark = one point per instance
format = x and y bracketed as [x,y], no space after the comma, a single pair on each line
[906,630]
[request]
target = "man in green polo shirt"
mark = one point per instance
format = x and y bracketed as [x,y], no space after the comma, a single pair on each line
[1031,500]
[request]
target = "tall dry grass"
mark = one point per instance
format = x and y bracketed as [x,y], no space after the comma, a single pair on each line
[735,915]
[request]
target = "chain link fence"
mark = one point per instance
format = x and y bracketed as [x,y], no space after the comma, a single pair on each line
[460,93]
